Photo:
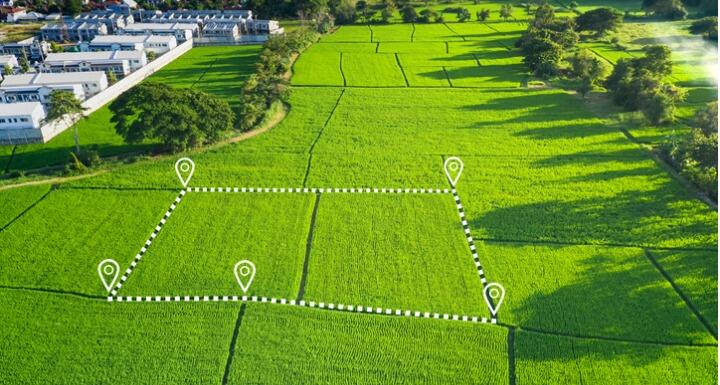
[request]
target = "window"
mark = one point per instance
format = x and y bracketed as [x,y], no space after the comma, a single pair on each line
[2,120]
[23,119]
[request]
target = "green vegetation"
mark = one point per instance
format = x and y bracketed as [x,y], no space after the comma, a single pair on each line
[217,70]
[195,257]
[16,32]
[387,256]
[178,118]
[80,340]
[609,261]
[280,344]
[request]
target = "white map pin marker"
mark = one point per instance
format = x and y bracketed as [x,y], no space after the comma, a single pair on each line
[494,294]
[244,273]
[184,167]
[453,169]
[108,270]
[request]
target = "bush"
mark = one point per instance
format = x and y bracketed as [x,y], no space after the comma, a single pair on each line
[268,84]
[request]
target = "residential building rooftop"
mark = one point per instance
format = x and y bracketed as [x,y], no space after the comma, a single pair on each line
[52,78]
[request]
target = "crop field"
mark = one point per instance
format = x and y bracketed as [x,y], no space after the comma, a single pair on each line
[217,70]
[364,253]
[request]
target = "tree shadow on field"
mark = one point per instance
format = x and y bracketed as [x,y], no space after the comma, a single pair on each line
[664,216]
[581,283]
[611,299]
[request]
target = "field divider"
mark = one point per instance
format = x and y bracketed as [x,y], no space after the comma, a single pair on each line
[147,244]
[402,70]
[318,190]
[359,309]
[470,241]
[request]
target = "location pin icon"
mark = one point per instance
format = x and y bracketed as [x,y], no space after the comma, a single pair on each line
[244,273]
[184,167]
[494,294]
[108,270]
[453,169]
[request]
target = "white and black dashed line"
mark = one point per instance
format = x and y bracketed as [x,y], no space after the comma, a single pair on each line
[147,244]
[310,304]
[314,190]
[470,240]
[113,297]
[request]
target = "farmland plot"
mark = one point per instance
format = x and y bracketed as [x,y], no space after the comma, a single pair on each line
[58,339]
[278,345]
[210,232]
[590,291]
[14,201]
[584,199]
[372,70]
[548,359]
[399,251]
[58,244]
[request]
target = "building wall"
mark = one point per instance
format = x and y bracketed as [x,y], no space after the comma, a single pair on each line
[52,129]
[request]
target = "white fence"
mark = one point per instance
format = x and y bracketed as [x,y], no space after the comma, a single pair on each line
[51,129]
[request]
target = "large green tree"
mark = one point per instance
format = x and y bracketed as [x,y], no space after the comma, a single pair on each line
[64,103]
[178,118]
[599,20]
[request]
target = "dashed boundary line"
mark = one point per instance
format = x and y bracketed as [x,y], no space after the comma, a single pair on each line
[113,297]
[315,190]
[147,244]
[308,304]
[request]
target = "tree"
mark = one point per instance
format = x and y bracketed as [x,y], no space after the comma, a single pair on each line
[387,13]
[544,16]
[483,14]
[657,60]
[24,63]
[179,118]
[707,27]
[72,7]
[589,69]
[599,20]
[426,15]
[639,83]
[55,47]
[706,119]
[668,9]
[151,55]
[7,70]
[506,11]
[573,5]
[111,78]
[463,14]
[409,15]
[345,12]
[64,103]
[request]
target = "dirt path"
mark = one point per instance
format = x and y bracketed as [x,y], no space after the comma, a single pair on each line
[56,180]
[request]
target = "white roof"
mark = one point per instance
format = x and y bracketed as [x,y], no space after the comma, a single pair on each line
[22,108]
[160,26]
[101,39]
[7,59]
[52,78]
[93,56]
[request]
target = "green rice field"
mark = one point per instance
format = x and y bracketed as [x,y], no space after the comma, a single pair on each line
[609,263]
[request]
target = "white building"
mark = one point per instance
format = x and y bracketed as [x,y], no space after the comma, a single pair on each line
[155,43]
[221,30]
[181,31]
[8,60]
[119,62]
[38,87]
[21,122]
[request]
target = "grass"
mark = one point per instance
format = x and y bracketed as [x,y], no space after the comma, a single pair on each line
[543,359]
[58,244]
[217,70]
[562,206]
[194,256]
[14,201]
[280,344]
[404,252]
[15,32]
[77,340]
[591,291]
